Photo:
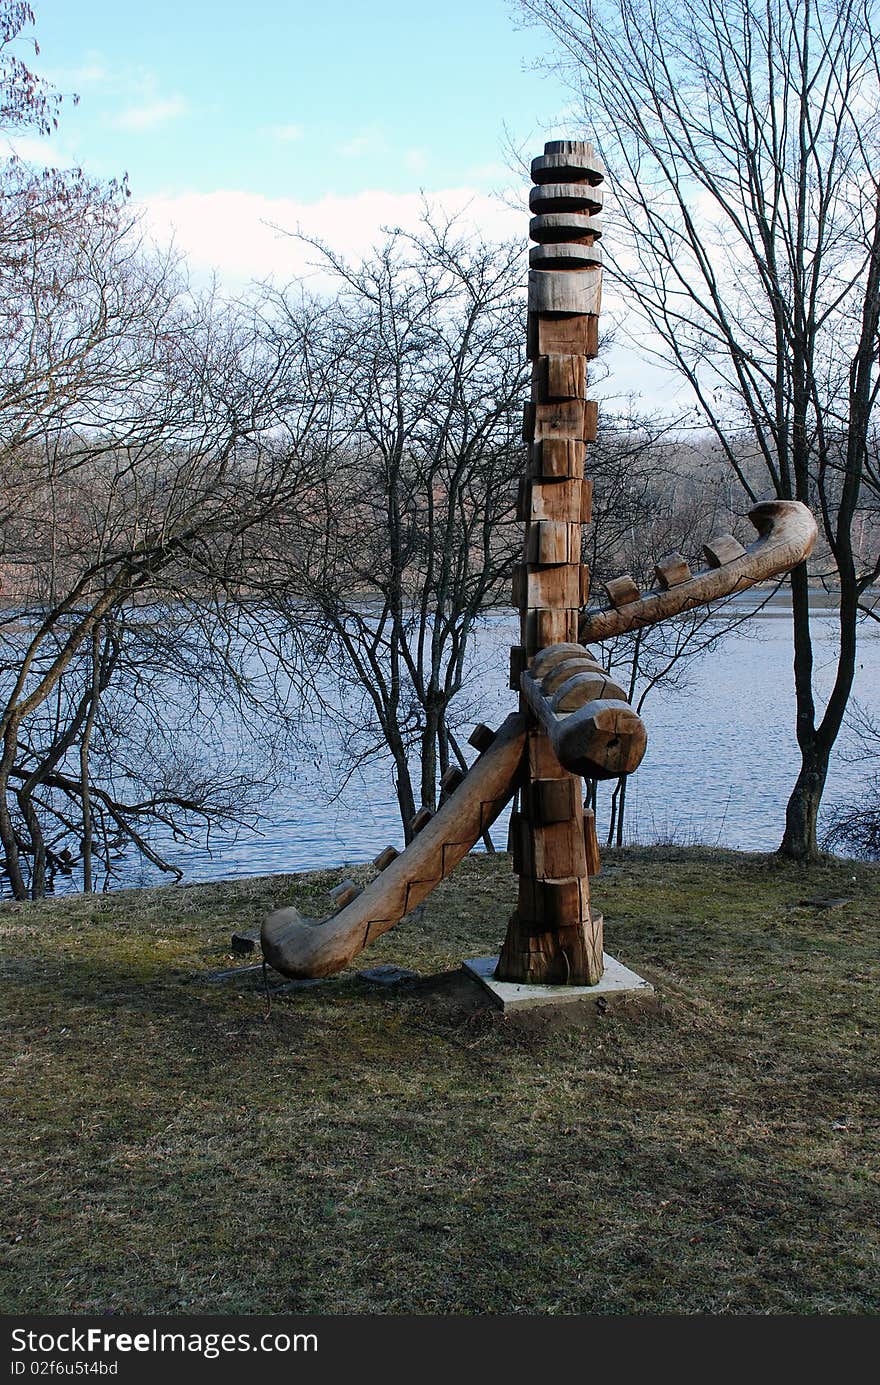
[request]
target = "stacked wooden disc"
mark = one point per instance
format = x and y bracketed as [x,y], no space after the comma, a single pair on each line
[553,936]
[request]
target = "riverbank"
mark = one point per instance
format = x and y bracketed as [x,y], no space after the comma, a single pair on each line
[364,1149]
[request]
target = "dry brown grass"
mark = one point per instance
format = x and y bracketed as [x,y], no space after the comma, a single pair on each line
[169,1148]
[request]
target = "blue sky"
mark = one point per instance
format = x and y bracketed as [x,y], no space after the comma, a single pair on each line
[295,99]
[233,121]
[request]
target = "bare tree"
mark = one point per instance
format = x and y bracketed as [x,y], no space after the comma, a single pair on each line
[408,532]
[742,145]
[654,494]
[141,446]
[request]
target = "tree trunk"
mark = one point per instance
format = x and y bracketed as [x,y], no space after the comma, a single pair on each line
[799,842]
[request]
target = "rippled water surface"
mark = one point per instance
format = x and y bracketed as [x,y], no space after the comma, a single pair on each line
[720,763]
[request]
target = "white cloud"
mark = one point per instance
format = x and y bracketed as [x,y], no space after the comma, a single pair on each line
[415,160]
[151,114]
[370,140]
[44,153]
[237,233]
[287,134]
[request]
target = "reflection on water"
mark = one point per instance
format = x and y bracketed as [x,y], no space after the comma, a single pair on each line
[720,764]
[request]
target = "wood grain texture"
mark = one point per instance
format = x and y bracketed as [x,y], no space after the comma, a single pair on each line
[787,533]
[563,336]
[554,227]
[299,947]
[565,291]
[601,739]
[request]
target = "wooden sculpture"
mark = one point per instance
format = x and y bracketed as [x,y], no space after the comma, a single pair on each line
[574,721]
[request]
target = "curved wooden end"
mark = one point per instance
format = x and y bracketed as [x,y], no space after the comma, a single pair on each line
[300,948]
[593,729]
[786,536]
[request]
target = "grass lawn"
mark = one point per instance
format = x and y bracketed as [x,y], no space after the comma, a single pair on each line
[170,1148]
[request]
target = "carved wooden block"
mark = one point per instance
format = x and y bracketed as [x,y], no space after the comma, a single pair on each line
[552,800]
[554,227]
[583,686]
[481,737]
[591,843]
[567,255]
[545,627]
[567,159]
[586,502]
[551,588]
[584,584]
[450,779]
[385,857]
[563,336]
[721,549]
[565,291]
[555,500]
[550,541]
[564,197]
[559,377]
[564,418]
[547,852]
[558,458]
[420,820]
[670,570]
[561,672]
[621,590]
[518,663]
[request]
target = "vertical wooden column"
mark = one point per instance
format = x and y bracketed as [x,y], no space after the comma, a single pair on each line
[553,937]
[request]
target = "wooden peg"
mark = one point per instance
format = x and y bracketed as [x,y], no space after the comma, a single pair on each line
[385,857]
[586,501]
[481,737]
[621,590]
[584,584]
[671,570]
[451,778]
[344,893]
[591,420]
[420,820]
[721,549]
[591,843]
[518,664]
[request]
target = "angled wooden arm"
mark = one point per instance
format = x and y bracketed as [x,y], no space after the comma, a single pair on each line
[300,947]
[787,533]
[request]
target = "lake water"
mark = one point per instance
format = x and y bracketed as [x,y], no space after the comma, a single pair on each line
[720,764]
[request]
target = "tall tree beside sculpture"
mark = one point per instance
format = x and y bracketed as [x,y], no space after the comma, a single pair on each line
[744,140]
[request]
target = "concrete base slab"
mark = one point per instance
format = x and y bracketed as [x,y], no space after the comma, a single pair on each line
[618,986]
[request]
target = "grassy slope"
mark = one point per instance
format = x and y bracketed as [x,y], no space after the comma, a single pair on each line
[168,1148]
